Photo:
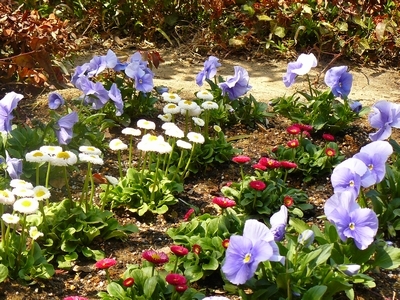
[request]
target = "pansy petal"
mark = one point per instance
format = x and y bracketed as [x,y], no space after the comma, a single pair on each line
[255,231]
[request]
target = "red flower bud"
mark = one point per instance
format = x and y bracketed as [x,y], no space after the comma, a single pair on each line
[223,202]
[179,250]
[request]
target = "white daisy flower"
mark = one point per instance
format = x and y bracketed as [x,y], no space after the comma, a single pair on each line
[111,179]
[34,233]
[175,132]
[26,205]
[22,192]
[64,158]
[150,142]
[171,97]
[192,112]
[92,158]
[204,95]
[195,137]
[10,219]
[165,117]
[217,128]
[209,105]
[37,156]
[183,144]
[20,183]
[90,150]
[7,197]
[187,104]
[171,108]
[51,150]
[142,123]
[198,121]
[169,125]
[131,131]
[117,144]
[163,147]
[41,193]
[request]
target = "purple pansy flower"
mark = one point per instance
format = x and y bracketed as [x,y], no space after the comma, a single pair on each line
[93,93]
[236,86]
[116,97]
[142,75]
[278,223]
[384,116]
[355,106]
[96,65]
[339,80]
[351,221]
[209,71]
[374,156]
[347,176]
[7,105]
[64,131]
[55,100]
[244,253]
[14,166]
[80,72]
[302,66]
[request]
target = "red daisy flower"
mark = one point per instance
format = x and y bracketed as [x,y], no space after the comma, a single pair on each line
[175,279]
[288,164]
[288,201]
[293,144]
[328,137]
[181,288]
[128,282]
[196,249]
[179,250]
[259,166]
[305,127]
[225,243]
[223,202]
[330,152]
[258,185]
[157,258]
[188,214]
[269,162]
[105,263]
[294,129]
[241,159]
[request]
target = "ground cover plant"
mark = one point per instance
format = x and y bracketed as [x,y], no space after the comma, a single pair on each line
[257,242]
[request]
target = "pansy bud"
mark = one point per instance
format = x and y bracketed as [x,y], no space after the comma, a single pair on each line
[349,270]
[306,238]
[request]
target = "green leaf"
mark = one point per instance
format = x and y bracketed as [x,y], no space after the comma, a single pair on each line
[315,293]
[3,272]
[298,225]
[149,287]
[115,290]
[387,257]
[280,31]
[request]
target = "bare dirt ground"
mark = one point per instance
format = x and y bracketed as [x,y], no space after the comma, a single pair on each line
[178,73]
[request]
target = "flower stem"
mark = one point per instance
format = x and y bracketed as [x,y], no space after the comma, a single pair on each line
[67,183]
[119,164]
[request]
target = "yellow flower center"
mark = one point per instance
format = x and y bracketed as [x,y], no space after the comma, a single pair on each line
[172,96]
[90,148]
[351,183]
[247,258]
[37,154]
[155,256]
[26,203]
[63,155]
[39,193]
[371,167]
[152,138]
[171,106]
[352,226]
